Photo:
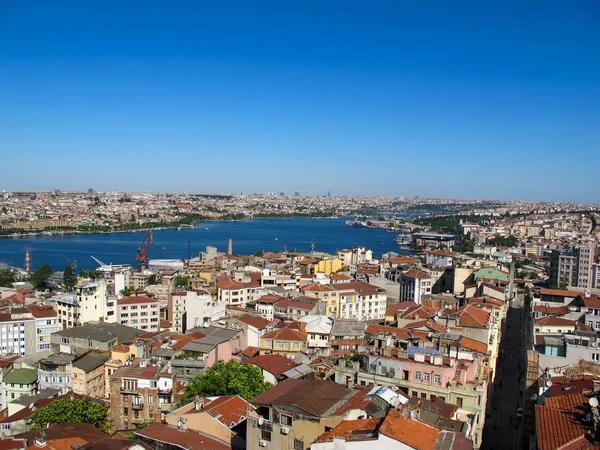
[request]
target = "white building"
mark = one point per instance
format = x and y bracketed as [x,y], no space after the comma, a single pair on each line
[139,312]
[93,304]
[17,332]
[318,329]
[414,284]
[200,308]
[46,323]
[361,301]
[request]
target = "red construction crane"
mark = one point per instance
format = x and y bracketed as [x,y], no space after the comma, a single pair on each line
[142,251]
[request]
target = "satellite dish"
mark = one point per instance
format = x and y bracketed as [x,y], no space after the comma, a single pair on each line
[593,402]
[261,420]
[548,383]
[414,414]
[395,401]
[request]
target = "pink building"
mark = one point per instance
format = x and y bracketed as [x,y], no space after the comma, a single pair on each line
[139,312]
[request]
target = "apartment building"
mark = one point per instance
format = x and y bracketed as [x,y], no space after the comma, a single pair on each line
[287,341]
[88,375]
[91,302]
[428,375]
[54,371]
[361,301]
[142,313]
[194,308]
[295,412]
[46,323]
[92,336]
[237,293]
[17,383]
[573,267]
[140,392]
[17,332]
[414,284]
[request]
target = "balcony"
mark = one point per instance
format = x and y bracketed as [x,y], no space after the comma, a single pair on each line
[138,406]
[129,390]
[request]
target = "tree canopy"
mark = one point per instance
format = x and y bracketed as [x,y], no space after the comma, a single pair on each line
[233,378]
[76,410]
[39,277]
[69,278]
[7,278]
[181,281]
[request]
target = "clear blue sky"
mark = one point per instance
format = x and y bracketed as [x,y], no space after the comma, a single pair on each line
[455,99]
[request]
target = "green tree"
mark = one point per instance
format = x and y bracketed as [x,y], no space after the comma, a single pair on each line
[181,281]
[233,378]
[7,278]
[152,279]
[39,277]
[91,274]
[69,278]
[74,410]
[259,254]
[127,291]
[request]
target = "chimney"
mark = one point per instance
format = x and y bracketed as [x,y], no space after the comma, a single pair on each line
[386,351]
[403,354]
[437,360]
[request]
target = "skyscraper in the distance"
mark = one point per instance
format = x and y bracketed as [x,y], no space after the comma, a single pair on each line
[296,194]
[328,193]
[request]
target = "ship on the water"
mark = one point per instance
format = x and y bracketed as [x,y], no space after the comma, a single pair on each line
[404,240]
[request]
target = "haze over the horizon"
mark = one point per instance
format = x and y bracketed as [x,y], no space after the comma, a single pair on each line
[437,99]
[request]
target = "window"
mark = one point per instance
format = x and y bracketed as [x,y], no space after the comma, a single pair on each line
[426,377]
[269,343]
[596,357]
[423,395]
[65,340]
[265,435]
[417,375]
[90,344]
[459,402]
[414,394]
[437,379]
[298,445]
[150,399]
[286,420]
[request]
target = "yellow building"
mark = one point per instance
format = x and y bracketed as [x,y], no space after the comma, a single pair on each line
[325,293]
[283,341]
[87,375]
[328,266]
[124,352]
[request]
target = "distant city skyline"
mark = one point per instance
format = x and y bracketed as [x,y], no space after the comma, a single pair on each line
[464,100]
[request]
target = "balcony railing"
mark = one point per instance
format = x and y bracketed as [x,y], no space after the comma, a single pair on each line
[139,405]
[128,390]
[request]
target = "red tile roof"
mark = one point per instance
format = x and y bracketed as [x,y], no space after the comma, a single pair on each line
[352,430]
[417,274]
[551,321]
[228,409]
[184,439]
[429,324]
[472,344]
[227,284]
[472,316]
[421,311]
[314,397]
[410,432]
[186,339]
[557,428]
[136,300]
[39,311]
[560,293]
[251,352]
[260,323]
[404,260]
[274,364]
[286,334]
